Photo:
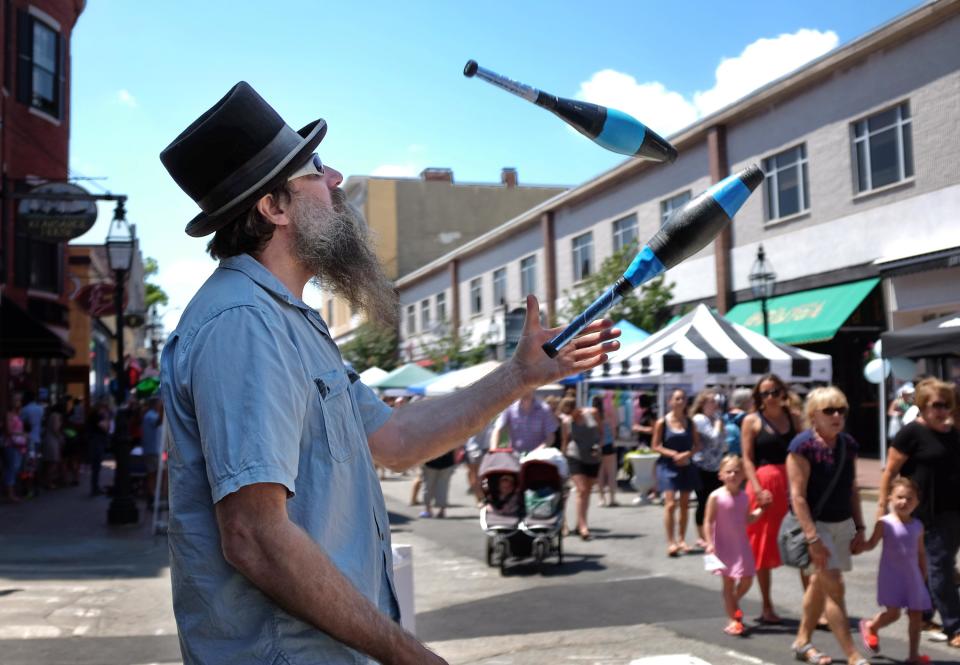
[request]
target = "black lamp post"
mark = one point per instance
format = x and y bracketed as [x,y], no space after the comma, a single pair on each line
[762,281]
[121,245]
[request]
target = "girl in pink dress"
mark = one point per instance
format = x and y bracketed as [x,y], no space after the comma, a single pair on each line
[725,528]
[903,569]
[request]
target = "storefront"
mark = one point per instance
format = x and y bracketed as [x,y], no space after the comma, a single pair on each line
[843,321]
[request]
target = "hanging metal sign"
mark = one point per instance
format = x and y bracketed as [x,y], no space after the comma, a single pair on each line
[46,217]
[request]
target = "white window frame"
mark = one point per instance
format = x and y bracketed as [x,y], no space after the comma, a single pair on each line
[582,255]
[771,187]
[625,231]
[902,125]
[528,275]
[476,296]
[500,287]
[442,307]
[671,203]
[411,319]
[425,314]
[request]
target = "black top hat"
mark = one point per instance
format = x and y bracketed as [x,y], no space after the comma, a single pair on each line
[235,153]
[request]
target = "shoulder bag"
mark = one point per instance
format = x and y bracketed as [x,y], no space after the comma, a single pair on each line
[794,550]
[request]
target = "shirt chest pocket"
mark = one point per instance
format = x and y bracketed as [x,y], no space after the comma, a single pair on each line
[338,419]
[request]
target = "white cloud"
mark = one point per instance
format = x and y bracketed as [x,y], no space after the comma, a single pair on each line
[396,171]
[761,62]
[667,111]
[663,110]
[125,98]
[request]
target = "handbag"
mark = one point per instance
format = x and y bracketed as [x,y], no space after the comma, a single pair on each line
[794,550]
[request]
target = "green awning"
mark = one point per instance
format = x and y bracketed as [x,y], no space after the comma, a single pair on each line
[806,316]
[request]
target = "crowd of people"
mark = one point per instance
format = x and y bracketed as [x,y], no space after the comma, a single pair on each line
[50,446]
[761,461]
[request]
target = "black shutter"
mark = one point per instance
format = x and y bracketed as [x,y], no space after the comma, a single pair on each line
[61,90]
[24,58]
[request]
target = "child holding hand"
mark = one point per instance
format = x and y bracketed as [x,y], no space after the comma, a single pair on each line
[725,529]
[903,569]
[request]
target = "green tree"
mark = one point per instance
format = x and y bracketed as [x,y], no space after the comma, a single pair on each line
[449,352]
[154,293]
[372,346]
[645,307]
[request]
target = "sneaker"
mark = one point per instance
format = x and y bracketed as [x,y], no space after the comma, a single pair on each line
[936,635]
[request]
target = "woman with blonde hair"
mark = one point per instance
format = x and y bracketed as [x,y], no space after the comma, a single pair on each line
[765,436]
[706,414]
[927,450]
[821,469]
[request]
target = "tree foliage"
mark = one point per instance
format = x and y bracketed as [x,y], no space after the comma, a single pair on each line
[645,307]
[372,346]
[154,293]
[448,351]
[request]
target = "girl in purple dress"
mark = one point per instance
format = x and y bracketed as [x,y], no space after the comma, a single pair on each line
[725,530]
[903,569]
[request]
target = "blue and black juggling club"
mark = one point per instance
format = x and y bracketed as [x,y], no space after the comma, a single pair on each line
[610,128]
[687,231]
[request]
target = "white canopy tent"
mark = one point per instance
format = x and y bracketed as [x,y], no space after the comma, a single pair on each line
[372,374]
[457,379]
[704,348]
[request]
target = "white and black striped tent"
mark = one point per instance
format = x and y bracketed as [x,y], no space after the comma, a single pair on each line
[703,347]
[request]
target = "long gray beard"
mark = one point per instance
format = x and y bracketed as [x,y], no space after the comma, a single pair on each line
[332,243]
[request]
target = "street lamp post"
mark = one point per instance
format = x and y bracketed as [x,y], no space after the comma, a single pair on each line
[121,246]
[762,281]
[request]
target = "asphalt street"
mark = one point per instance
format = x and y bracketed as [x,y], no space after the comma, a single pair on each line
[76,592]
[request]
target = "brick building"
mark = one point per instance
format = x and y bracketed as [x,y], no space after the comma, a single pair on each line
[34,138]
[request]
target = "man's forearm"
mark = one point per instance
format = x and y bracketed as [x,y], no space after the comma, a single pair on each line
[284,563]
[427,429]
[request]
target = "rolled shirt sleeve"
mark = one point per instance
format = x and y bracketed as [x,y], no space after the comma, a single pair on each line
[250,414]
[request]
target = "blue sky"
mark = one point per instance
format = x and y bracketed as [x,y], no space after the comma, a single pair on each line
[387,78]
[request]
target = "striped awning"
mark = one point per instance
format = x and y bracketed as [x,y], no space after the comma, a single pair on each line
[704,346]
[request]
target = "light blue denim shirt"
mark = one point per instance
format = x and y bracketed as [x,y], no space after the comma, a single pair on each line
[256,392]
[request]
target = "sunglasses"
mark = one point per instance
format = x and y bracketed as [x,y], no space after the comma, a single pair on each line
[834,411]
[313,167]
[943,406]
[764,394]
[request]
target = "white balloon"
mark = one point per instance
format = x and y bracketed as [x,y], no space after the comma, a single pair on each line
[903,368]
[876,370]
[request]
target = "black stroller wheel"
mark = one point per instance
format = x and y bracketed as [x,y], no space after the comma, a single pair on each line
[560,548]
[490,562]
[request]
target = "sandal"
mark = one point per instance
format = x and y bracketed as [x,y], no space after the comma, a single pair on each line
[772,620]
[810,654]
[919,660]
[870,640]
[735,629]
[738,615]
[954,641]
[673,550]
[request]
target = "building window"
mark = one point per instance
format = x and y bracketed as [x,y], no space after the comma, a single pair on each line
[528,275]
[411,319]
[786,183]
[40,68]
[38,264]
[500,287]
[883,148]
[441,307]
[667,206]
[476,296]
[624,232]
[582,256]
[425,314]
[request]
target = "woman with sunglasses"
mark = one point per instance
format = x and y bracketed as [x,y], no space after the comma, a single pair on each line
[765,437]
[927,451]
[821,469]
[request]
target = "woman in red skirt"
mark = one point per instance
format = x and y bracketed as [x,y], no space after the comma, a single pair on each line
[765,436]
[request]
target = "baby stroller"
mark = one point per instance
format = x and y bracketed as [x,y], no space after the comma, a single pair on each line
[543,479]
[500,515]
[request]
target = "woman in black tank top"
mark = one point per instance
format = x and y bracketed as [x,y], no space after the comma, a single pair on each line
[765,437]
